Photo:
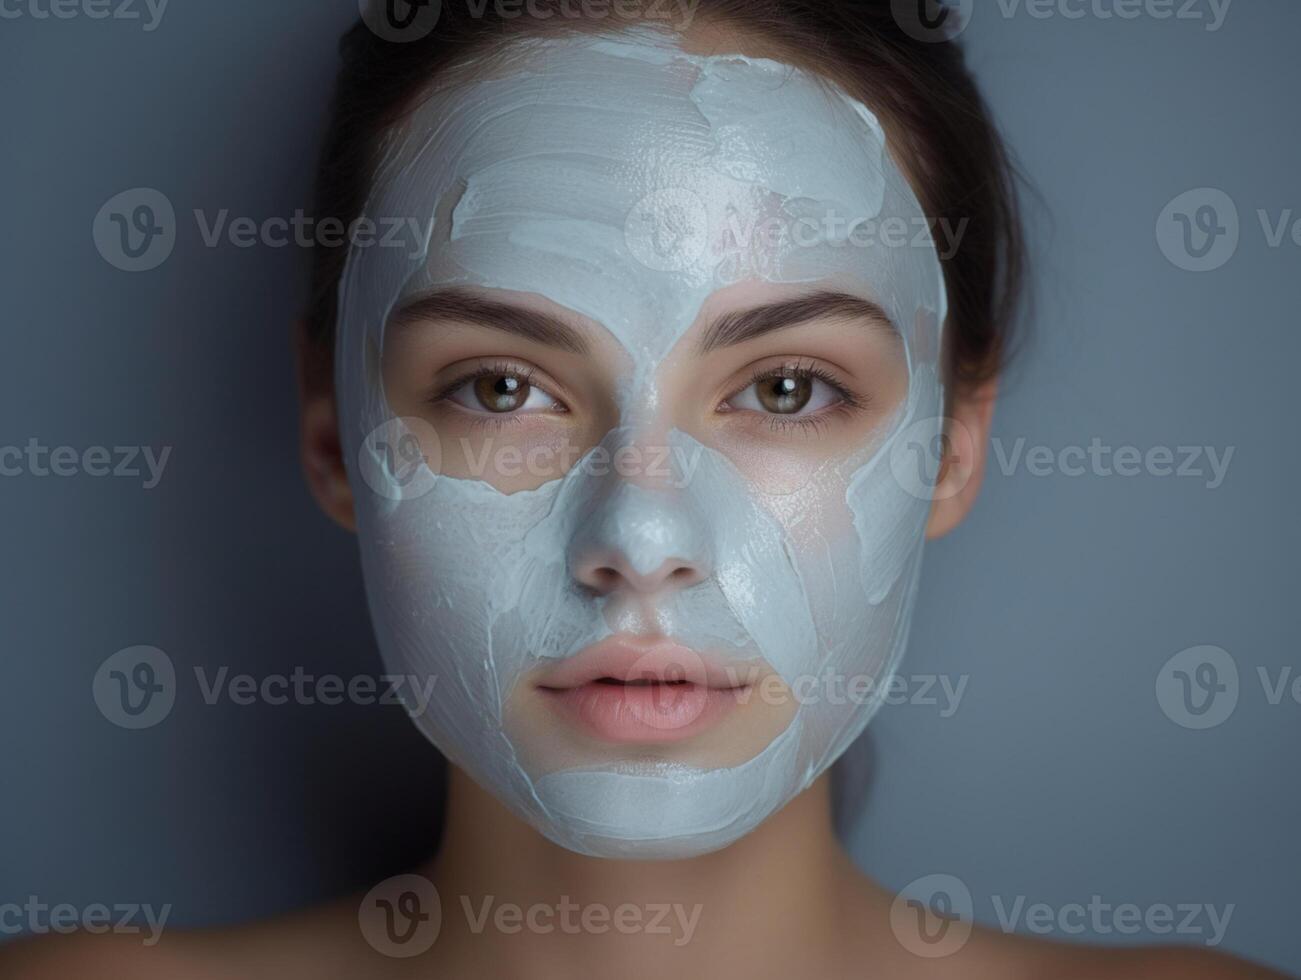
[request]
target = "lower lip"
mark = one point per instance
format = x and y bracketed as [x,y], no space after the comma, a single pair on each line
[644,713]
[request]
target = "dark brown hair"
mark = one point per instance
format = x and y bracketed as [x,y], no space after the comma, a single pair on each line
[936,119]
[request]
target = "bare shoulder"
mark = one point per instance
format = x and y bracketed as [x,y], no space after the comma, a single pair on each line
[991,953]
[51,957]
[1148,963]
[1186,964]
[323,942]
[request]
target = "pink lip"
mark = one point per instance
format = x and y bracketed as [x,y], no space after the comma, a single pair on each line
[632,690]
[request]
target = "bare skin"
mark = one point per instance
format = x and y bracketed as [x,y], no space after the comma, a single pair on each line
[785,901]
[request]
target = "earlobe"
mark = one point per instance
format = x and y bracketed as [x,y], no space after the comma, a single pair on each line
[320,446]
[966,443]
[323,460]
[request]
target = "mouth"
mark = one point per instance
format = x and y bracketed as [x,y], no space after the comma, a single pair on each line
[630,690]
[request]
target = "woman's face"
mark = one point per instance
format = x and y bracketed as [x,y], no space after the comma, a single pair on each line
[637,430]
[801,382]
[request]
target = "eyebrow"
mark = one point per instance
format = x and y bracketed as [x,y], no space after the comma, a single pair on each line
[466,307]
[725,331]
[736,328]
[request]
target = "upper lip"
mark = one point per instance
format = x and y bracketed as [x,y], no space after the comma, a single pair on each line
[625,659]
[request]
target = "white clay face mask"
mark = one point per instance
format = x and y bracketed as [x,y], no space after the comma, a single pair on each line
[630,184]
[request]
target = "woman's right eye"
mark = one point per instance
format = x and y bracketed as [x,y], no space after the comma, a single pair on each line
[502,393]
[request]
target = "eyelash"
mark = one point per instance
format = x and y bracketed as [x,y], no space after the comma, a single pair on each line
[810,424]
[491,370]
[848,402]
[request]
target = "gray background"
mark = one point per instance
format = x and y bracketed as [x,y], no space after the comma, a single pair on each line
[1058,778]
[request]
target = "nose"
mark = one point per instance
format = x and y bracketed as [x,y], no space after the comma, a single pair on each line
[642,540]
[605,574]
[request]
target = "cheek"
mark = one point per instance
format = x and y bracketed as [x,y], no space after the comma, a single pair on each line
[825,549]
[778,468]
[809,457]
[471,585]
[815,515]
[511,455]
[853,536]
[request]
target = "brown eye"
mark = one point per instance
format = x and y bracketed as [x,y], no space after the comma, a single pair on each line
[784,394]
[501,392]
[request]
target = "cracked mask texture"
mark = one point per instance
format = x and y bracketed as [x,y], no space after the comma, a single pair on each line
[610,175]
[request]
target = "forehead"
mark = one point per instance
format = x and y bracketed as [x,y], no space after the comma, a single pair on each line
[628,181]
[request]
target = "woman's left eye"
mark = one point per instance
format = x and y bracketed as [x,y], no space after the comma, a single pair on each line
[787,392]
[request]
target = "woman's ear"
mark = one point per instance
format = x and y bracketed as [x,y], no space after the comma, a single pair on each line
[966,447]
[320,446]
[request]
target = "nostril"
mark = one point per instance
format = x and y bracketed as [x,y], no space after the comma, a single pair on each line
[684,575]
[605,578]
[601,579]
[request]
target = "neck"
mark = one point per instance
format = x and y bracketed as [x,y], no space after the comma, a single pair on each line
[515,904]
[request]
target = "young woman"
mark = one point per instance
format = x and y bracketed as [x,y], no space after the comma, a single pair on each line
[693,343]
